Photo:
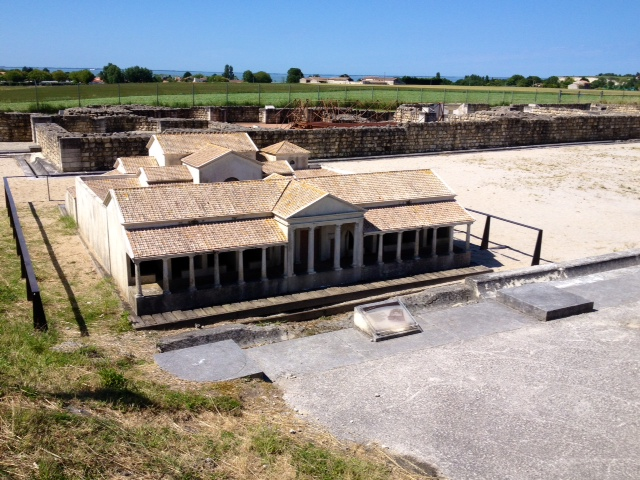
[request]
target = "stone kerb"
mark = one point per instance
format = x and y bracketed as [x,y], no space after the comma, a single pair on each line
[487,285]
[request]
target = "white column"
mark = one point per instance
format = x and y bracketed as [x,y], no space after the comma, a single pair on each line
[416,245]
[165,275]
[263,271]
[399,248]
[380,248]
[358,244]
[311,251]
[434,241]
[138,282]
[336,248]
[467,245]
[240,257]
[192,274]
[216,269]
[450,240]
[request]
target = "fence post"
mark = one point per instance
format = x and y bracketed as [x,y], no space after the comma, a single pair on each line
[397,94]
[444,98]
[35,85]
[559,96]
[466,98]
[537,250]
[485,235]
[318,93]
[503,95]
[488,97]
[578,96]
[535,99]
[601,95]
[39,318]
[289,101]
[226,102]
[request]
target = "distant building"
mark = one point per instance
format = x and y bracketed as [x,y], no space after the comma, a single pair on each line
[380,81]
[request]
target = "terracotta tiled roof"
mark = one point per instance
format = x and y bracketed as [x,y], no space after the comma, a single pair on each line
[133,164]
[406,217]
[297,196]
[101,185]
[168,174]
[205,155]
[190,143]
[284,147]
[281,167]
[205,237]
[275,176]
[186,201]
[314,172]
[371,188]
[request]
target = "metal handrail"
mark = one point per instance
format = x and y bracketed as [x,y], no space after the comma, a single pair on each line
[484,244]
[26,266]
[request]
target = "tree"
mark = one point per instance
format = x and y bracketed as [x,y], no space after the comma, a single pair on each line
[513,80]
[82,76]
[187,74]
[60,76]
[566,82]
[262,77]
[551,82]
[294,75]
[228,72]
[38,76]
[248,77]
[217,78]
[112,74]
[14,76]
[138,75]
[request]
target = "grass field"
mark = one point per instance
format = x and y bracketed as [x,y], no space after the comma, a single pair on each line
[51,98]
[76,406]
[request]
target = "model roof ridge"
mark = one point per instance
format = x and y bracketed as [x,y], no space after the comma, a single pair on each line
[286,147]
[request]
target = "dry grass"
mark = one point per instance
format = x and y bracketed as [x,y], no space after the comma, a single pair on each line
[86,399]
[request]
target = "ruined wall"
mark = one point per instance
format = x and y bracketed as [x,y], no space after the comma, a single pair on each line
[73,152]
[433,137]
[15,127]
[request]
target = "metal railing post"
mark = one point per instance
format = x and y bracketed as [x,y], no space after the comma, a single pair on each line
[537,251]
[485,235]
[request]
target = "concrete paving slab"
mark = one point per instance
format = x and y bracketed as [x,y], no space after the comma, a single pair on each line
[607,289]
[544,301]
[331,350]
[547,400]
[215,362]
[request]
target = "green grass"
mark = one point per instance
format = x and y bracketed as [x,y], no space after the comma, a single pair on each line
[54,98]
[97,410]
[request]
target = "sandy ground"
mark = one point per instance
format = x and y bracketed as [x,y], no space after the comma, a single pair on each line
[586,198]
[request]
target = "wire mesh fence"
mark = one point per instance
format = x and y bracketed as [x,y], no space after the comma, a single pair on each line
[178,94]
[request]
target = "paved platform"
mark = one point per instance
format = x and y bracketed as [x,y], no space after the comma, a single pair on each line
[484,391]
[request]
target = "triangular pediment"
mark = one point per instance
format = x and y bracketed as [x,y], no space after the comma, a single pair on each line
[327,205]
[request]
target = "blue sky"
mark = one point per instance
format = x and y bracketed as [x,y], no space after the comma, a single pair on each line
[495,38]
